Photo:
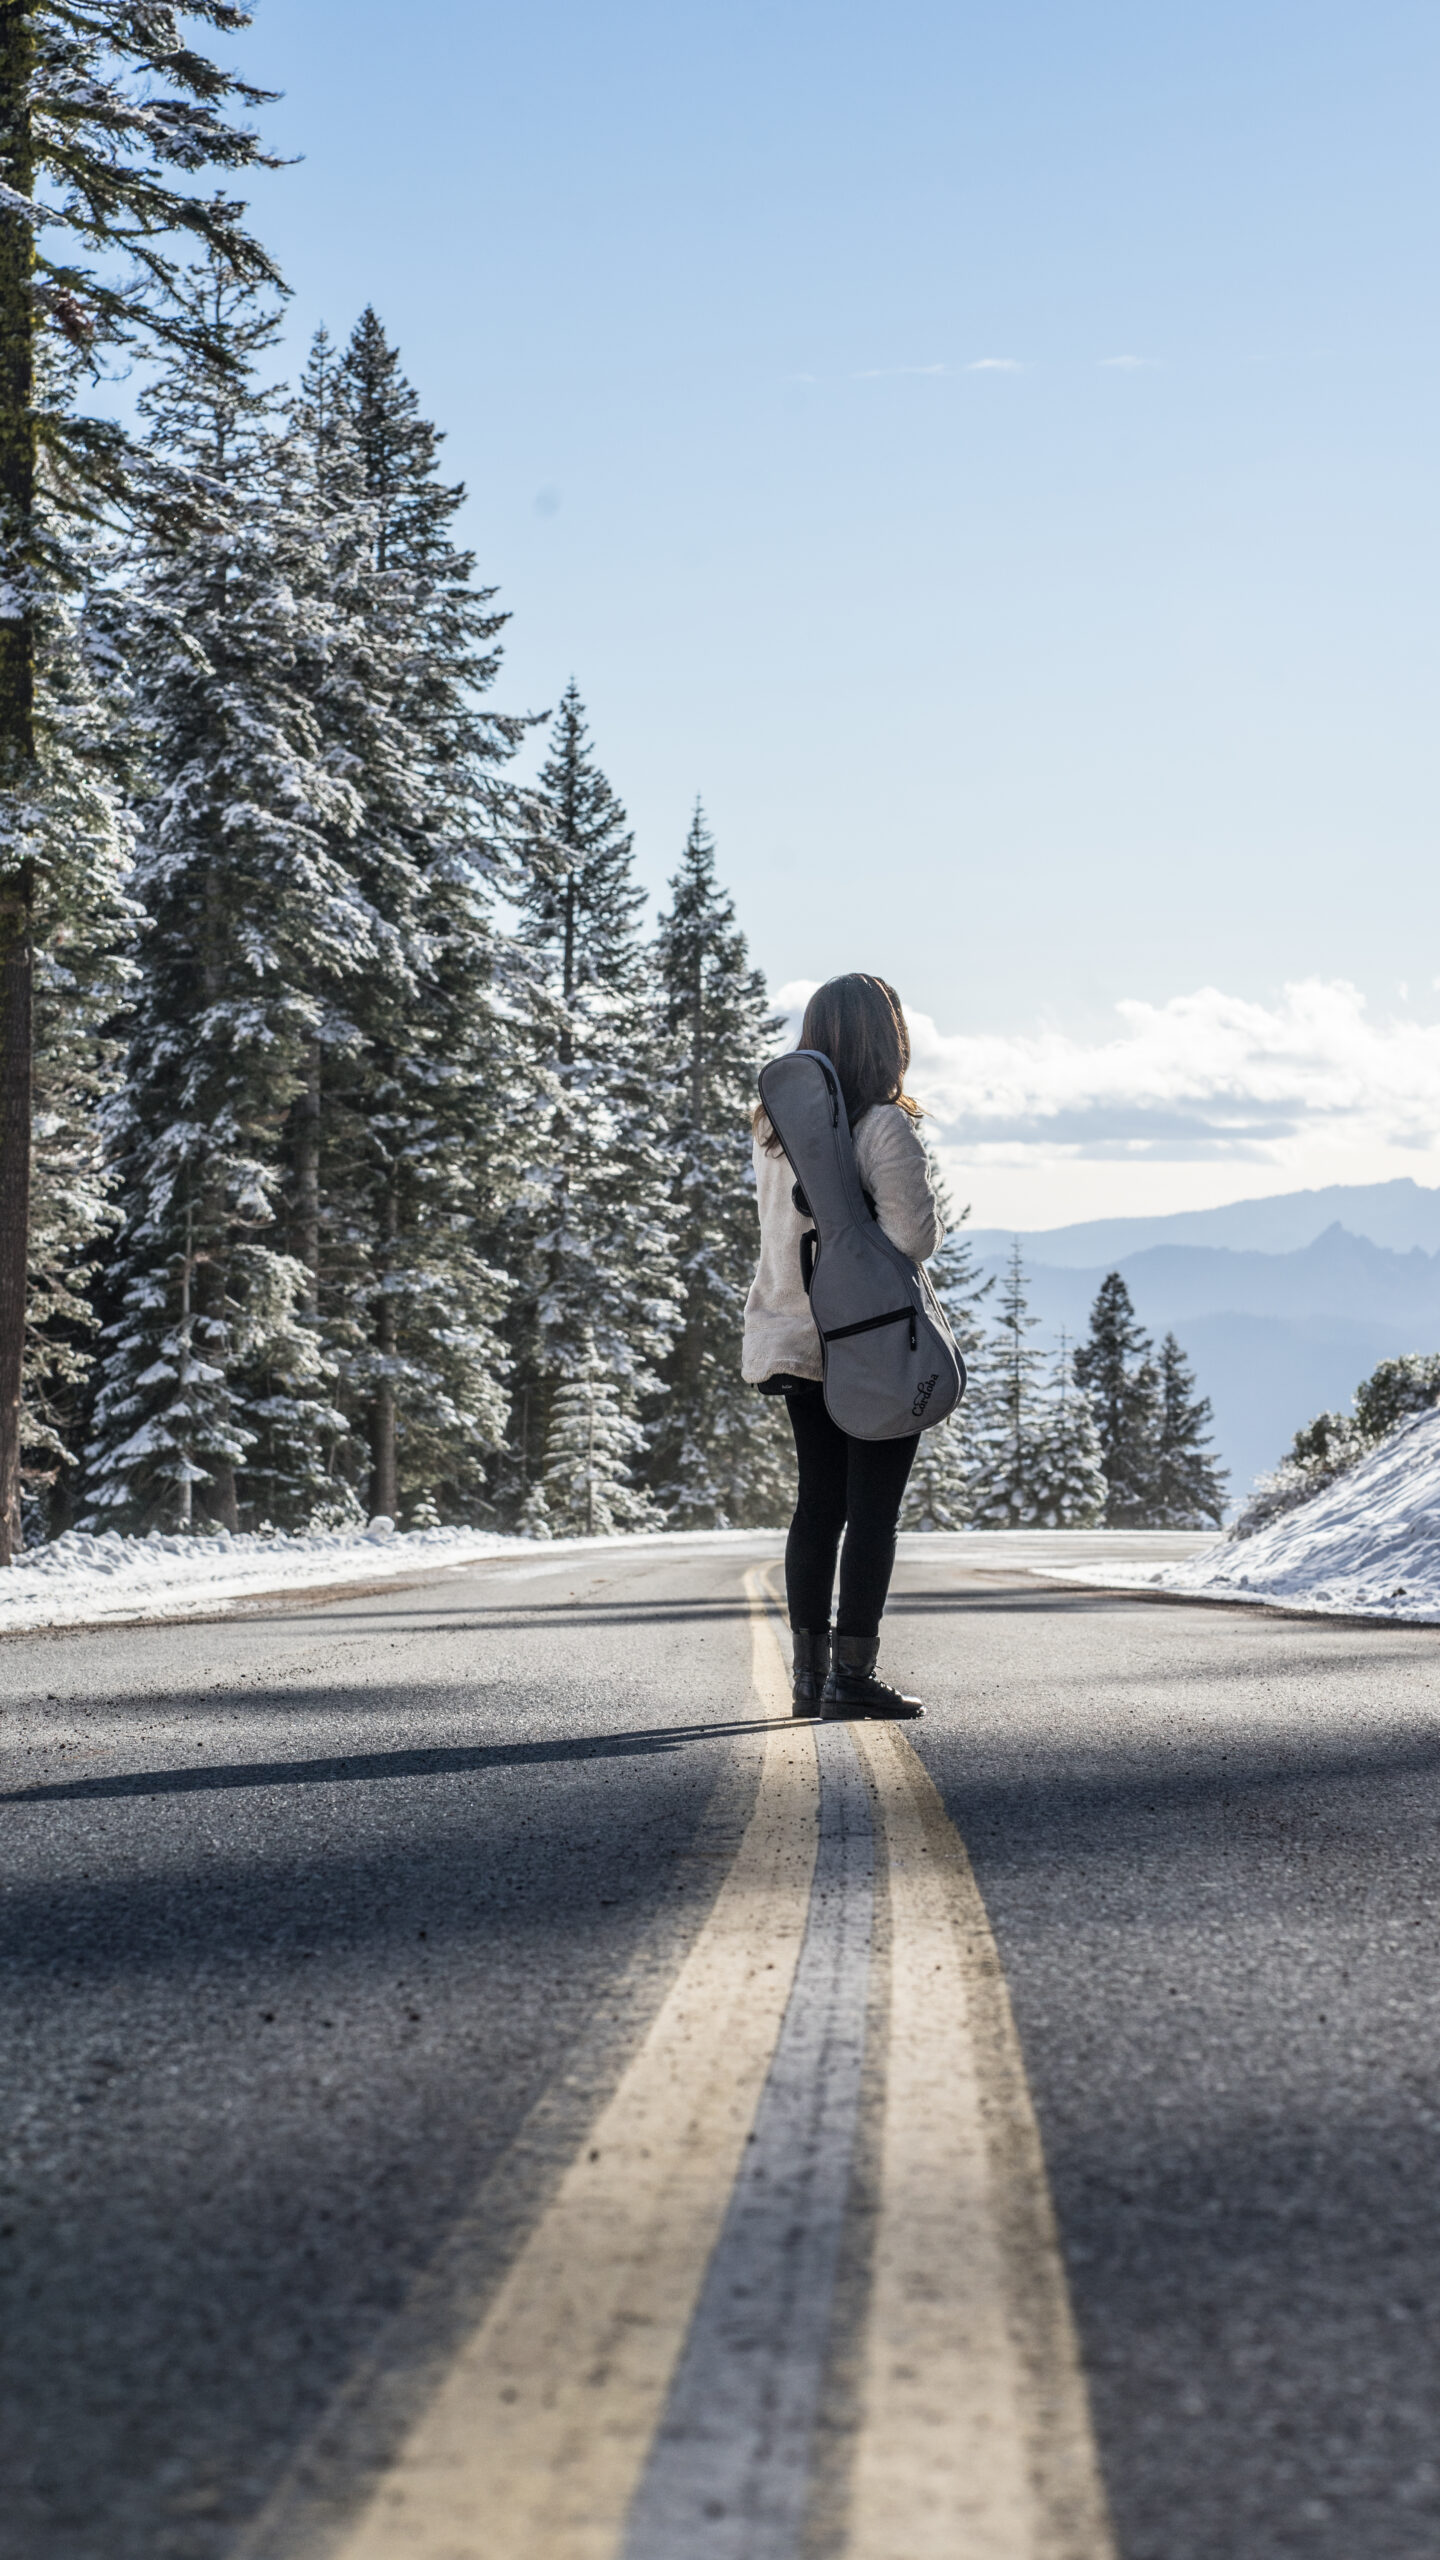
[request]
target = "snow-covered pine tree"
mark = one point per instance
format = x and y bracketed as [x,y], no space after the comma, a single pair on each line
[1069,1479]
[1188,1490]
[938,1493]
[99,106]
[954,1274]
[591,1239]
[1115,1368]
[720,1457]
[947,1462]
[83,930]
[593,1448]
[358,730]
[213,1407]
[1009,1477]
[403,1140]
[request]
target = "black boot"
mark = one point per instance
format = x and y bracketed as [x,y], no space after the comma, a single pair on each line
[812,1663]
[852,1688]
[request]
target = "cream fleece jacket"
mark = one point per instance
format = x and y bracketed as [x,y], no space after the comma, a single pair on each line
[780,1335]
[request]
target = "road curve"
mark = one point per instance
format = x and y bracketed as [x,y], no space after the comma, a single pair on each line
[485,2081]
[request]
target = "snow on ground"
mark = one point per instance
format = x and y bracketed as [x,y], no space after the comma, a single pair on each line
[1368,1546]
[79,1580]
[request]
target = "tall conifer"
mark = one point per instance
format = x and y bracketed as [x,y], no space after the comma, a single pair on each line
[1115,1367]
[99,105]
[1009,1483]
[214,1405]
[940,1493]
[1188,1487]
[83,920]
[591,1239]
[720,1456]
[403,1154]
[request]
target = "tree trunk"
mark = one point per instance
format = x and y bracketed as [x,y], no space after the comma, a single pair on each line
[384,1488]
[15,1037]
[185,1499]
[220,1497]
[307,1179]
[567,968]
[222,1500]
[17,741]
[383,1496]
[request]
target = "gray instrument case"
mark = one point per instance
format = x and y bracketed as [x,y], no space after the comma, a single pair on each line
[891,1366]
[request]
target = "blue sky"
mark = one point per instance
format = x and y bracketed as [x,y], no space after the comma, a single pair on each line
[990,454]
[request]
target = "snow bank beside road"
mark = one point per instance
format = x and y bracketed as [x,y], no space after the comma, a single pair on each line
[1368,1546]
[79,1580]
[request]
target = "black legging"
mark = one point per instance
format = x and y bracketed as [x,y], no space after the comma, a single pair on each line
[854,1485]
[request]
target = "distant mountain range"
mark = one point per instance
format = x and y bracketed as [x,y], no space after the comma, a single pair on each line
[1403,1215]
[1283,1305]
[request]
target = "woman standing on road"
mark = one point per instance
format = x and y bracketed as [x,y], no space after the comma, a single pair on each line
[848,1485]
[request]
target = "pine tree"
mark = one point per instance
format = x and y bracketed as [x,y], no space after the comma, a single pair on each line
[1116,1369]
[404,1130]
[719,1456]
[954,1275]
[83,932]
[1009,1479]
[940,1491]
[591,1239]
[214,1405]
[97,105]
[592,1446]
[1188,1490]
[1069,1479]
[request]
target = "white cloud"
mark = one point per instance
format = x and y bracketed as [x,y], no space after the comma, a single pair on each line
[791,1000]
[1129,364]
[995,364]
[1203,1098]
[1204,1075]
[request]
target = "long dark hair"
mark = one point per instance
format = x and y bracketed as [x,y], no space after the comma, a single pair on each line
[859,1023]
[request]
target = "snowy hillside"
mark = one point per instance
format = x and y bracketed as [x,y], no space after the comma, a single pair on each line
[1368,1545]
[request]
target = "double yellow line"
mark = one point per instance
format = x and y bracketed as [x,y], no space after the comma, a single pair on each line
[973,2439]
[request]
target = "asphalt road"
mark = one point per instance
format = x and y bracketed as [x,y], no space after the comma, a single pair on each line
[330,1931]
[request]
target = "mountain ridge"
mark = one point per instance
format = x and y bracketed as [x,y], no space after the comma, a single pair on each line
[1401,1216]
[1338,1274]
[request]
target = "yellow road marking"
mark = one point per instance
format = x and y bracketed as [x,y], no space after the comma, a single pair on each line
[533,2445]
[975,2439]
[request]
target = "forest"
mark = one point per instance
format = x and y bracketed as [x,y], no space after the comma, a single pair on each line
[364,1151]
